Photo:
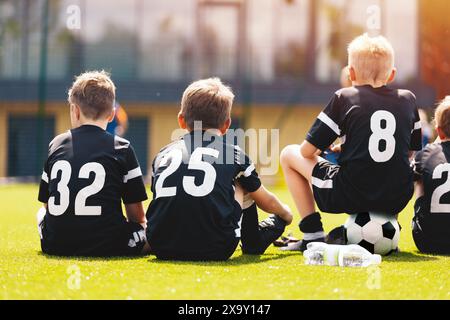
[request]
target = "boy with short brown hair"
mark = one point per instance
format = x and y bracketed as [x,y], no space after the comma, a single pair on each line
[87,174]
[199,185]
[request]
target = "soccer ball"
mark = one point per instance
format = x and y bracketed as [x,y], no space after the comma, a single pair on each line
[376,232]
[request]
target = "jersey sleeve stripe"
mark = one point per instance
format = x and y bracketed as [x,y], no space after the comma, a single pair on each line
[132,174]
[249,170]
[247,173]
[322,184]
[417,125]
[44,177]
[329,122]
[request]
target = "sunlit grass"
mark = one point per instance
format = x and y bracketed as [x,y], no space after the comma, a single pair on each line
[25,273]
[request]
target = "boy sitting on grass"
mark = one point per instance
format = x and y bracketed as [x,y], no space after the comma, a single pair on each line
[431,222]
[199,185]
[87,174]
[379,126]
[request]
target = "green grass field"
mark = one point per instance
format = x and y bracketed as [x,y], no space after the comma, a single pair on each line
[25,273]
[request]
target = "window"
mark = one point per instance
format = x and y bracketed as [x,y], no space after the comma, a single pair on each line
[339,21]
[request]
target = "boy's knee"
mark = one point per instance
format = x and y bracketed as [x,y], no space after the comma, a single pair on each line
[290,153]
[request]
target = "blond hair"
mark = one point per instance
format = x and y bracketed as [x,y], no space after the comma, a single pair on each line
[208,101]
[442,116]
[95,93]
[372,58]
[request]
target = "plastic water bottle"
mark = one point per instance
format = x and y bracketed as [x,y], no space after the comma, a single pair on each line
[322,254]
[314,257]
[357,256]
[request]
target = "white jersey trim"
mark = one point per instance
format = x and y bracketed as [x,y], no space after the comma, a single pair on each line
[417,125]
[44,177]
[132,174]
[330,123]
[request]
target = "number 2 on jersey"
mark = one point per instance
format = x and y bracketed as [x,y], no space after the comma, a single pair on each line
[195,163]
[81,209]
[436,205]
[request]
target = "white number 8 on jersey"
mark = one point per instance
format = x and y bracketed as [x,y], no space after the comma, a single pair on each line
[382,134]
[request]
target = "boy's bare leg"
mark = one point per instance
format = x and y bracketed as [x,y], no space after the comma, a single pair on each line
[298,174]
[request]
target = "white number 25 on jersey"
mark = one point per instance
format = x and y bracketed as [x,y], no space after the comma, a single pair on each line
[195,163]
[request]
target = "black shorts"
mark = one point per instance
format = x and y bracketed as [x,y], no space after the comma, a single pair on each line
[426,242]
[220,255]
[126,240]
[328,192]
[333,195]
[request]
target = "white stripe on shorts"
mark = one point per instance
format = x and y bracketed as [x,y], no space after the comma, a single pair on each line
[322,184]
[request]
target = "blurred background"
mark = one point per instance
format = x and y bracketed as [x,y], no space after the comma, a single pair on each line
[283,59]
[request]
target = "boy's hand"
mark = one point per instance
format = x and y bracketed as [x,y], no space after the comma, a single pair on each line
[336,148]
[287,214]
[268,202]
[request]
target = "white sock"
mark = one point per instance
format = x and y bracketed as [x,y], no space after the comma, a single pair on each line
[313,236]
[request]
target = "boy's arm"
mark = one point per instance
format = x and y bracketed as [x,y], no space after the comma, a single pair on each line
[43,186]
[270,203]
[418,167]
[419,190]
[325,130]
[135,213]
[309,151]
[133,191]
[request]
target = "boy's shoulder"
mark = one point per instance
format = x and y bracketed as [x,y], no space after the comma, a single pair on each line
[431,149]
[353,91]
[121,143]
[176,144]
[346,92]
[60,140]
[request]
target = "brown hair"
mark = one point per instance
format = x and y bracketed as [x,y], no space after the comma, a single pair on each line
[95,93]
[442,116]
[208,101]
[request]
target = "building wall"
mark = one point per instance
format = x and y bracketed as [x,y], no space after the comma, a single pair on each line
[162,121]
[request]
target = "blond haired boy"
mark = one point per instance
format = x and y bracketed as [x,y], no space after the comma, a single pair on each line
[86,176]
[431,222]
[379,126]
[199,185]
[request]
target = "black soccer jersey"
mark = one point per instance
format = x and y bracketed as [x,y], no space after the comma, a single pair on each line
[194,212]
[432,167]
[87,174]
[378,127]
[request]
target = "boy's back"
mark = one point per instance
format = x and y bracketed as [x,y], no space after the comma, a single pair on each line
[433,210]
[378,126]
[194,212]
[87,174]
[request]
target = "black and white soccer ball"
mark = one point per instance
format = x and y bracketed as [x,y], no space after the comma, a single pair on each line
[378,233]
